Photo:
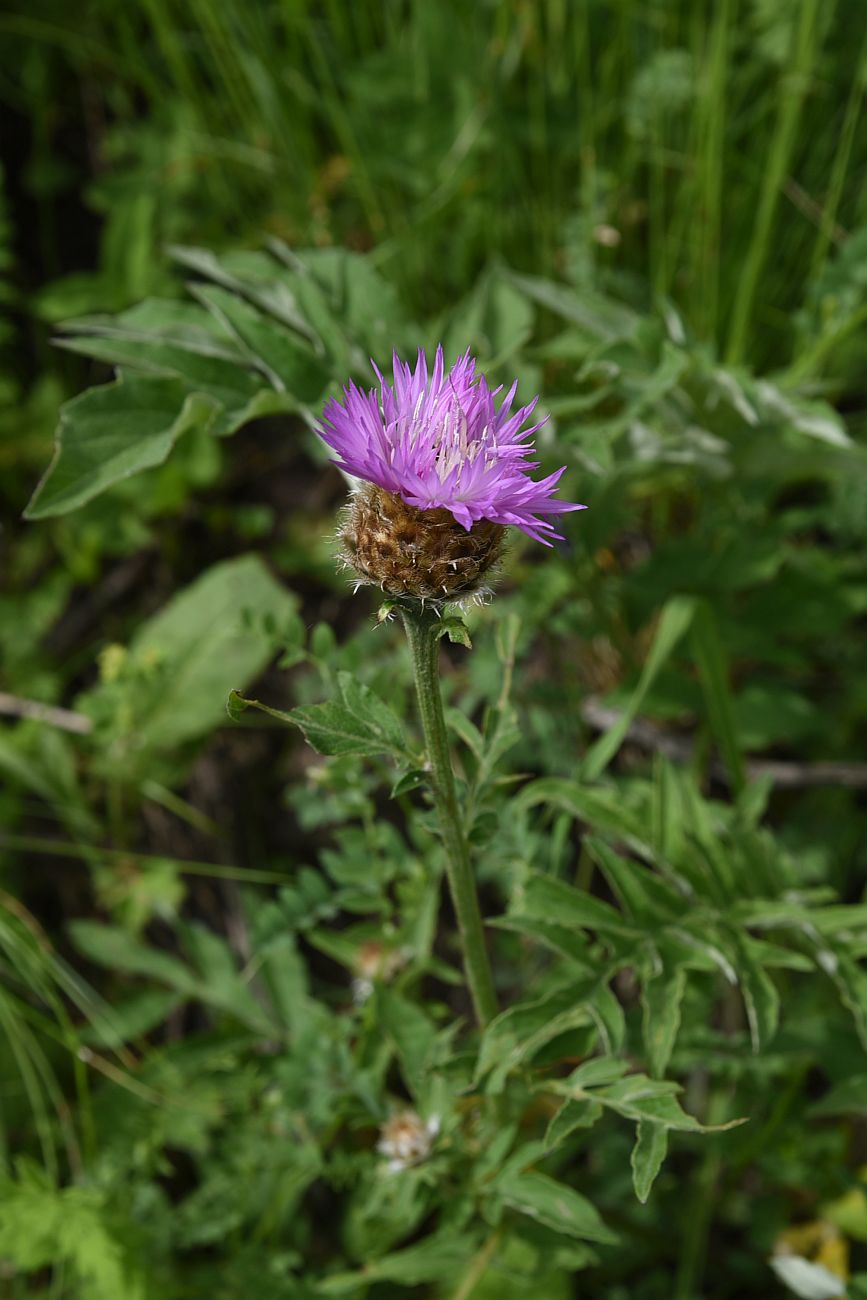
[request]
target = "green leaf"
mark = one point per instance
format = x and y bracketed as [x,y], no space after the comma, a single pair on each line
[549,899]
[599,316]
[284,359]
[410,780]
[359,722]
[133,1017]
[467,731]
[601,808]
[435,1259]
[661,1002]
[109,433]
[118,950]
[851,983]
[761,999]
[674,620]
[182,662]
[518,1033]
[714,676]
[366,304]
[237,704]
[495,319]
[221,983]
[70,1230]
[571,1116]
[849,1097]
[638,1097]
[598,1071]
[568,943]
[412,1032]
[553,1204]
[643,895]
[254,276]
[651,1145]
[183,327]
[454,627]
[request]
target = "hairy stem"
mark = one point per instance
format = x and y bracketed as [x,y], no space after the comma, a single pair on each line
[422,630]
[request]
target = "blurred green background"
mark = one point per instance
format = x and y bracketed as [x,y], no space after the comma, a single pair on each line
[655,214]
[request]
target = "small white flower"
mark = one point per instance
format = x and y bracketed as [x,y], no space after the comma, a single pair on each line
[373,962]
[361,990]
[406,1139]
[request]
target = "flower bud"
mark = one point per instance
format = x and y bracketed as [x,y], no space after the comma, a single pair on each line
[423,554]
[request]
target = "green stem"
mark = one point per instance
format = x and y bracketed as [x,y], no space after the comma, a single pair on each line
[423,633]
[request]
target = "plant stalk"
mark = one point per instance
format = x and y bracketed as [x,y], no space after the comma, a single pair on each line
[423,632]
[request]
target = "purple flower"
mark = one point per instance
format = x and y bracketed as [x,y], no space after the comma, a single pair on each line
[439,441]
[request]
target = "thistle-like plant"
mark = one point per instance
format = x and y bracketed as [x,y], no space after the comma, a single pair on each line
[441,472]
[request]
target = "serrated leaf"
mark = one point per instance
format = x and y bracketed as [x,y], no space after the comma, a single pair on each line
[109,433]
[553,1204]
[359,722]
[651,1145]
[456,630]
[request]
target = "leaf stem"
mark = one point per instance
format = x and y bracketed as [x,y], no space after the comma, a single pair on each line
[423,630]
[478,1267]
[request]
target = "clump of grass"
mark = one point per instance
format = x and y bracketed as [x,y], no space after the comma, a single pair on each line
[661,145]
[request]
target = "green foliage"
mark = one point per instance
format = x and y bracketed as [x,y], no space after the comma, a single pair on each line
[358,722]
[682,913]
[69,1228]
[227,969]
[165,690]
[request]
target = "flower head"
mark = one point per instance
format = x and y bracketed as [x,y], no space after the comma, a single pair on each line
[439,441]
[444,471]
[406,1139]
